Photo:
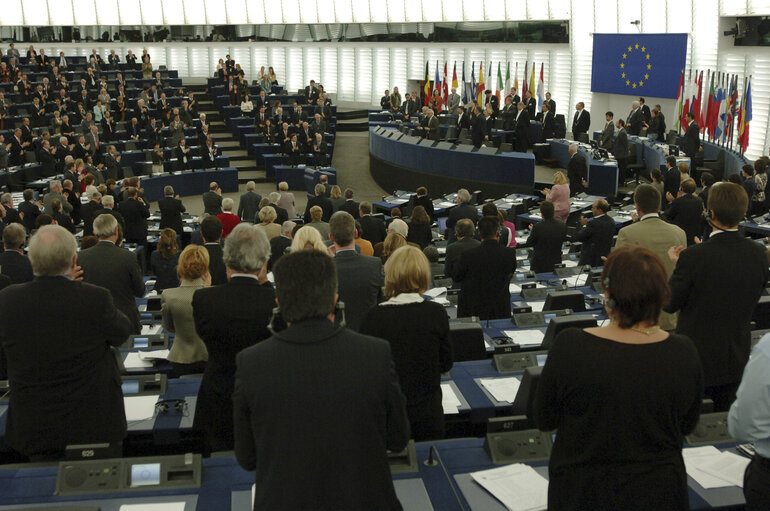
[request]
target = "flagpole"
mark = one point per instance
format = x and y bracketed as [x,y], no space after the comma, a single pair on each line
[743,109]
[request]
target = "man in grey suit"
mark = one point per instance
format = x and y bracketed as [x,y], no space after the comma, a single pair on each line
[652,232]
[360,278]
[248,205]
[608,132]
[55,192]
[212,200]
[453,101]
[464,230]
[109,266]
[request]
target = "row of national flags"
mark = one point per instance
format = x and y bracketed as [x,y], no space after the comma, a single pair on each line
[474,91]
[713,100]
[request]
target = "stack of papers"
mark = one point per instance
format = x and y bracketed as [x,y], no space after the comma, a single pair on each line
[151,329]
[449,400]
[139,408]
[517,486]
[153,355]
[525,338]
[502,389]
[712,468]
[134,361]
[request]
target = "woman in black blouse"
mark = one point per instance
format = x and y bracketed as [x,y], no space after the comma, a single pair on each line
[418,332]
[622,397]
[419,227]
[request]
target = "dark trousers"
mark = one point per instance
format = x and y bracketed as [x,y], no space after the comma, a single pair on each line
[622,163]
[178,369]
[722,395]
[756,484]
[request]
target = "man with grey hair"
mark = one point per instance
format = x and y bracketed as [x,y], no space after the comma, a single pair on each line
[11,214]
[171,209]
[108,208]
[635,119]
[279,245]
[464,231]
[321,201]
[229,318]
[61,368]
[107,265]
[13,262]
[227,217]
[577,170]
[248,204]
[55,192]
[359,277]
[282,214]
[88,211]
[462,210]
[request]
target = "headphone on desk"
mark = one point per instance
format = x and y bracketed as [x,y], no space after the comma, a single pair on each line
[164,406]
[277,323]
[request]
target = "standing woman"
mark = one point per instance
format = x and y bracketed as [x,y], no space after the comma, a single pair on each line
[164,260]
[419,228]
[418,333]
[585,392]
[760,185]
[146,67]
[287,200]
[559,195]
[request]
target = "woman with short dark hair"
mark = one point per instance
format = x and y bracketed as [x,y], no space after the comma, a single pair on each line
[163,261]
[622,397]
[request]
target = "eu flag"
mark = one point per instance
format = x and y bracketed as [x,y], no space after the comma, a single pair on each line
[638,64]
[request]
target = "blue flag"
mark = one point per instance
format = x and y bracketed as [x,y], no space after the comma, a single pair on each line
[638,64]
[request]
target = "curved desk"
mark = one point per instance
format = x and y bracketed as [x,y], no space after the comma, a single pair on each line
[400,163]
[192,182]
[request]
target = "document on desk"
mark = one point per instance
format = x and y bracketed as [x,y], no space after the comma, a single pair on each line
[728,466]
[517,486]
[435,292]
[166,506]
[502,389]
[525,338]
[581,279]
[152,294]
[449,400]
[151,329]
[445,204]
[697,458]
[134,361]
[139,408]
[150,282]
[536,306]
[521,240]
[153,355]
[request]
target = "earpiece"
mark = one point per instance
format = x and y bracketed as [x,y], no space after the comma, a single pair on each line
[165,405]
[609,302]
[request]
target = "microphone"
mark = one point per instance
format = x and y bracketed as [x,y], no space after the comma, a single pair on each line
[431,462]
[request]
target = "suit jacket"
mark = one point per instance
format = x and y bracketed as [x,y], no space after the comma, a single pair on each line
[458,213]
[47,163]
[492,100]
[373,229]
[453,101]
[484,273]
[212,203]
[576,173]
[620,149]
[217,267]
[66,384]
[359,279]
[657,235]
[548,127]
[87,215]
[596,237]
[176,306]
[135,214]
[278,246]
[111,167]
[531,106]
[608,132]
[522,130]
[725,267]
[687,212]
[315,373]
[16,266]
[350,206]
[228,318]
[455,250]
[433,129]
[546,240]
[691,142]
[634,121]
[248,206]
[582,123]
[478,130]
[171,210]
[672,180]
[551,106]
[116,269]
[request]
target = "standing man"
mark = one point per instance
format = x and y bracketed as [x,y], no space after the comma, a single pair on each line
[248,204]
[621,150]
[212,200]
[464,231]
[727,266]
[551,103]
[433,126]
[135,213]
[462,210]
[522,128]
[547,122]
[608,133]
[347,371]
[576,171]
[171,209]
[492,100]
[686,211]
[453,101]
[531,104]
[546,239]
[596,235]
[581,121]
[691,144]
[635,119]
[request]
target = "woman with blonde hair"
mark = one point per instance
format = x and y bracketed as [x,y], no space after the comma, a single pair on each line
[188,354]
[393,241]
[335,195]
[287,199]
[559,195]
[418,333]
[164,261]
[267,216]
[308,238]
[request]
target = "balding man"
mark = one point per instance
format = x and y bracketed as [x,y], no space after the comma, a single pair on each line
[109,266]
[13,262]
[212,200]
[596,235]
[576,171]
[635,119]
[462,210]
[248,204]
[65,381]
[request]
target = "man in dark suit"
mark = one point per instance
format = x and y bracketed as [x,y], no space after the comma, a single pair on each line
[433,132]
[550,102]
[521,122]
[212,200]
[531,104]
[280,244]
[581,121]
[546,238]
[248,204]
[87,212]
[462,210]
[646,116]
[229,318]
[484,273]
[275,425]
[409,107]
[493,100]
[547,122]
[576,171]
[686,211]
[478,127]
[464,231]
[635,119]
[691,142]
[672,178]
[372,227]
[211,233]
[108,208]
[135,213]
[715,287]
[360,278]
[319,200]
[463,120]
[293,150]
[112,163]
[621,150]
[350,205]
[13,262]
[171,209]
[66,385]
[109,266]
[596,235]
[608,133]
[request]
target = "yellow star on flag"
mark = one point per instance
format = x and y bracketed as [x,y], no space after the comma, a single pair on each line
[623,75]
[641,83]
[634,85]
[646,77]
[629,48]
[628,82]
[622,65]
[636,46]
[649,66]
[624,55]
[648,56]
[643,48]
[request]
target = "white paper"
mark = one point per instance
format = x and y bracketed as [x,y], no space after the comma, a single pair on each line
[522,240]
[525,337]
[441,250]
[695,458]
[133,361]
[570,263]
[536,306]
[502,389]
[139,408]
[154,355]
[728,466]
[536,215]
[435,292]
[514,288]
[143,307]
[151,329]
[580,279]
[165,506]
[187,229]
[151,294]
[150,282]
[517,486]
[449,400]
[446,204]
